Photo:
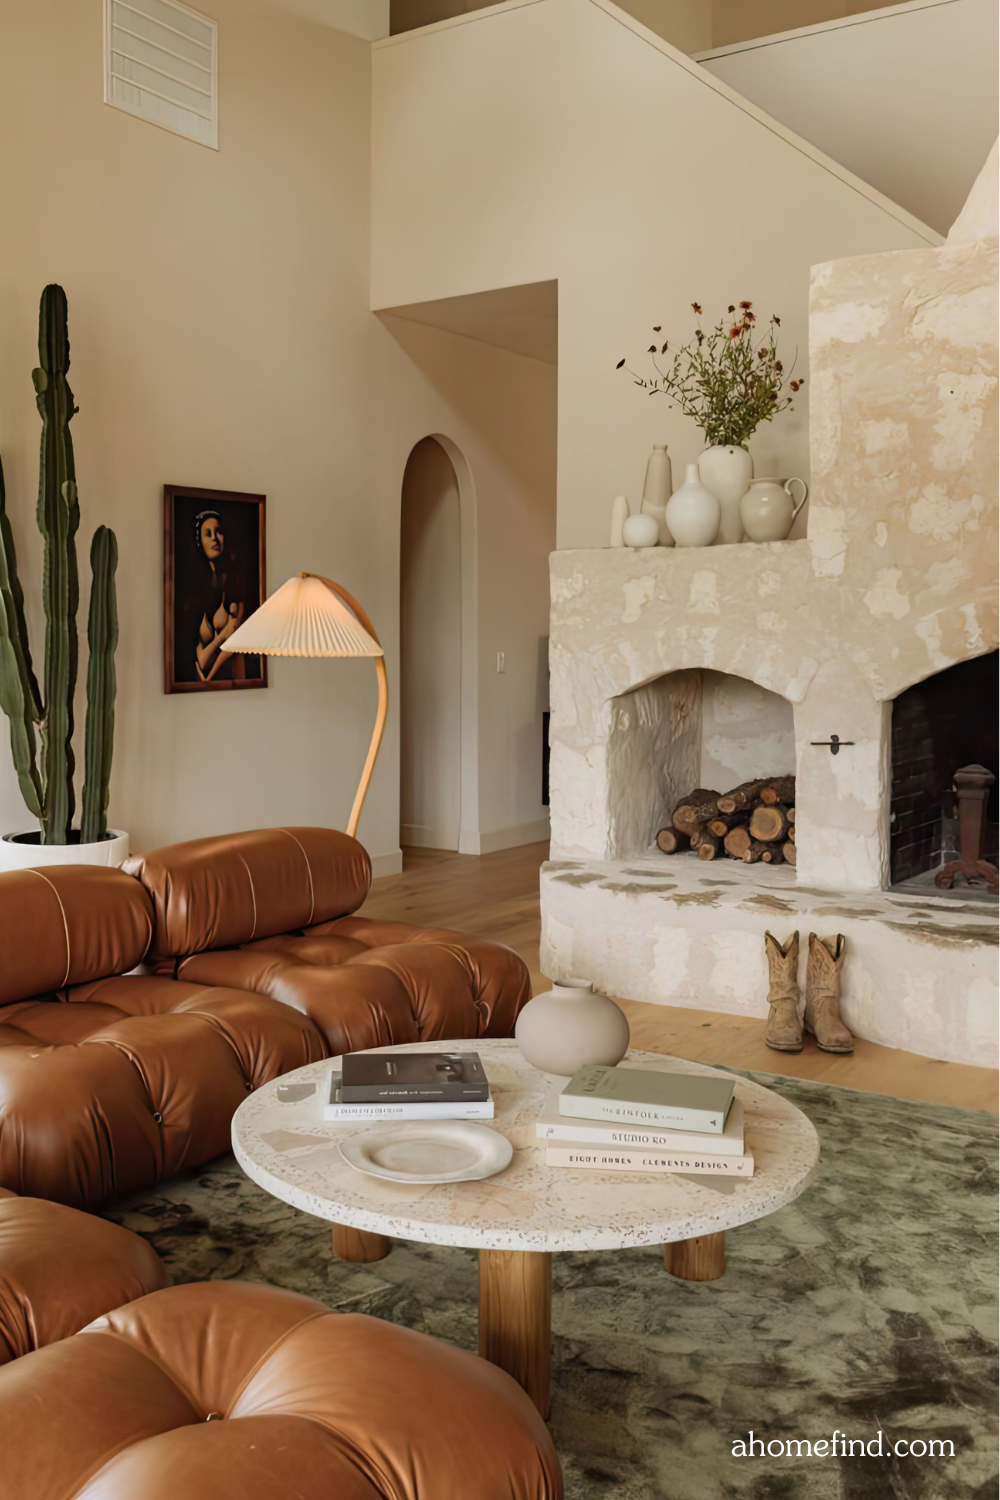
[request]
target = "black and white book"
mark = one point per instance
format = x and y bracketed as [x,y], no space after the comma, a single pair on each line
[336,1110]
[412,1077]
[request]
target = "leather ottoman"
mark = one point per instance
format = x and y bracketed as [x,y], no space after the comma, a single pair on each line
[233,1391]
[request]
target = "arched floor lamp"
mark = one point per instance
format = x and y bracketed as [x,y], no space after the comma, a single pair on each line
[312,616]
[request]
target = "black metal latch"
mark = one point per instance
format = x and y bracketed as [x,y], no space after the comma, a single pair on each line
[834,743]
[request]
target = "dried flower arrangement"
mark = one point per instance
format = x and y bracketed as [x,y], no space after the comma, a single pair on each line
[727,380]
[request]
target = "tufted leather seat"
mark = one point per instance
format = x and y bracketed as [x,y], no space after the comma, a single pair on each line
[60,1269]
[110,1080]
[227,1389]
[270,911]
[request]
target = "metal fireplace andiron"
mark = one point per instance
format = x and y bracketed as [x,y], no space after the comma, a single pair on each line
[972,783]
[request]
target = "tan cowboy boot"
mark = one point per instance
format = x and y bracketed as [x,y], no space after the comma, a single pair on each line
[822,1017]
[784,1026]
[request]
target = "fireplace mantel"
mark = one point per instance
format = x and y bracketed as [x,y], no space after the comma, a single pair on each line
[894,582]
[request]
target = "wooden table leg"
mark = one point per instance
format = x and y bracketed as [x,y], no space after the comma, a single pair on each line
[700,1259]
[359,1244]
[515,1317]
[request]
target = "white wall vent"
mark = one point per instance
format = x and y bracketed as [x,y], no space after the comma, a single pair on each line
[161,63]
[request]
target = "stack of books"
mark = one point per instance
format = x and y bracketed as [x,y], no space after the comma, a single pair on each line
[409,1086]
[638,1120]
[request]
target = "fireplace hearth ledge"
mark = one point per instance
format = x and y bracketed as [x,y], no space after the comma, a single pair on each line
[919,974]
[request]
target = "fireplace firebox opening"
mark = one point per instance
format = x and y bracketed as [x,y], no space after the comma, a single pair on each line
[939,726]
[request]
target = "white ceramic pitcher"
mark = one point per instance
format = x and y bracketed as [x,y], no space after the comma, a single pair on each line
[768,508]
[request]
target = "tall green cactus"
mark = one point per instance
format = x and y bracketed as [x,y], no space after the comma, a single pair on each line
[41,724]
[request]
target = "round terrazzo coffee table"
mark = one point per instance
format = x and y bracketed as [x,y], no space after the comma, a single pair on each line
[517,1219]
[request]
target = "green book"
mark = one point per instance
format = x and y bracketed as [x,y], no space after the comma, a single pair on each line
[682,1101]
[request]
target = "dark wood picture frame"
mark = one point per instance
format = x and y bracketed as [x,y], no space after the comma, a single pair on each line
[234,582]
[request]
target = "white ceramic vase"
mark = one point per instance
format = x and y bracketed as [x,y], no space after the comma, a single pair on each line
[656,491]
[693,512]
[768,508]
[562,1031]
[23,851]
[641,531]
[619,515]
[727,472]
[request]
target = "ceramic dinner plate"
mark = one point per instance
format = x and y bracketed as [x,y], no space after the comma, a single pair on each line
[440,1151]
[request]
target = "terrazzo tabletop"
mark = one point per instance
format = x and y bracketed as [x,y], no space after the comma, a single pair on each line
[291,1152]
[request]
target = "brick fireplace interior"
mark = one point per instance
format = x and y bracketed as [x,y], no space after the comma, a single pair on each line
[939,725]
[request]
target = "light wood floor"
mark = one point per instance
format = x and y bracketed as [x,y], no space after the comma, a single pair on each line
[497,895]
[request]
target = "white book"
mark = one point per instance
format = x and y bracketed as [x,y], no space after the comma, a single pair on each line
[552,1126]
[456,1109]
[691,1163]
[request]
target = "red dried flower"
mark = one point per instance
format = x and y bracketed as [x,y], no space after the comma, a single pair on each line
[651,349]
[657,328]
[778,366]
[696,306]
[745,305]
[731,308]
[735,331]
[776,319]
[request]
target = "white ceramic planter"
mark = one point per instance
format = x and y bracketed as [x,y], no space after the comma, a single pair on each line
[656,491]
[727,472]
[641,531]
[18,855]
[562,1031]
[693,512]
[768,508]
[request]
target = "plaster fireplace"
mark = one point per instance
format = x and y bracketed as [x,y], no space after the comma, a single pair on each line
[674,668]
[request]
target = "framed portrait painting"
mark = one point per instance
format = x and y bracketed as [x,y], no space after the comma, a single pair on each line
[213,580]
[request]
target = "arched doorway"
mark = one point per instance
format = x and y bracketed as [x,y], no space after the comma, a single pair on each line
[430,630]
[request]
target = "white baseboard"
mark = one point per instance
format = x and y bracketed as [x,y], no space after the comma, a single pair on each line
[387,864]
[421,836]
[503,838]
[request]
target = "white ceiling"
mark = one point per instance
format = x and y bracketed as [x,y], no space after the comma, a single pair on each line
[365,18]
[523,319]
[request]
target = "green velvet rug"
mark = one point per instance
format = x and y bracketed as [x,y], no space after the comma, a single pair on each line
[869,1302]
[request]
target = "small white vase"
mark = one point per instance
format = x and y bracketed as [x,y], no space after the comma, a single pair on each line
[641,531]
[727,472]
[693,512]
[562,1031]
[23,851]
[656,491]
[619,515]
[768,508]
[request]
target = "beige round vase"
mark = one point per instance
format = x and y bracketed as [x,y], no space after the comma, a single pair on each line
[568,1027]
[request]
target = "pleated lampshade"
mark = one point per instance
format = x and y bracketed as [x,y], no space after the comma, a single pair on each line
[303,618]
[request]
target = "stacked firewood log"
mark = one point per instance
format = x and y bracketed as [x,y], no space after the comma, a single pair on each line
[755,821]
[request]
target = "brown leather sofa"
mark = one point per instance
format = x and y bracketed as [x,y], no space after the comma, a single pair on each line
[110,1080]
[270,911]
[229,1389]
[61,1269]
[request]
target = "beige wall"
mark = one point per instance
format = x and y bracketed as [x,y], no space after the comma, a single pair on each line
[496,411]
[430,651]
[710,200]
[220,337]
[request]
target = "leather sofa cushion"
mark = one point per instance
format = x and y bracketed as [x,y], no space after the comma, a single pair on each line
[227,1388]
[218,892]
[60,1269]
[134,1079]
[371,984]
[68,924]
